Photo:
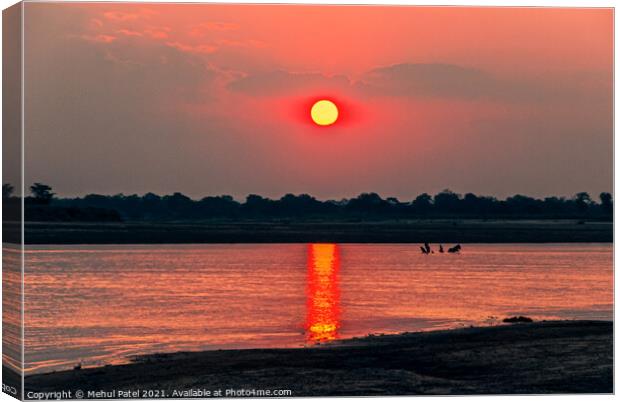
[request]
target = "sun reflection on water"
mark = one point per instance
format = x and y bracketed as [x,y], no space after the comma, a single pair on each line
[323,311]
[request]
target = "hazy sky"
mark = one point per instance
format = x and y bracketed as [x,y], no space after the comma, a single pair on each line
[214,99]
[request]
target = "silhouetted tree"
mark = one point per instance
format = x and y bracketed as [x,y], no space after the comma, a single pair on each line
[447,201]
[151,205]
[422,203]
[366,206]
[392,200]
[255,205]
[367,203]
[96,200]
[606,202]
[301,204]
[474,204]
[556,206]
[521,204]
[179,205]
[7,190]
[220,206]
[582,201]
[42,193]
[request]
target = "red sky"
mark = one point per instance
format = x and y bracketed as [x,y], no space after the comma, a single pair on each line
[213,99]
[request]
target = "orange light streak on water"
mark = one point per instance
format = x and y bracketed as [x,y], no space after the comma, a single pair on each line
[323,310]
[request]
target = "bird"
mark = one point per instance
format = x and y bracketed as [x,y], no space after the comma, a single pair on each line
[455,249]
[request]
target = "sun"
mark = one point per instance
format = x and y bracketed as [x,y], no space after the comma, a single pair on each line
[324,112]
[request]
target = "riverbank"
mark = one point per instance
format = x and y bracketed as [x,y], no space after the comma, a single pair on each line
[544,357]
[414,231]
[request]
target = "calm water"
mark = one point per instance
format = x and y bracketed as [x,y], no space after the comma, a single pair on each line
[102,304]
[11,306]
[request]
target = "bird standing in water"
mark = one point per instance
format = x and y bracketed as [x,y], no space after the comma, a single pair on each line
[455,249]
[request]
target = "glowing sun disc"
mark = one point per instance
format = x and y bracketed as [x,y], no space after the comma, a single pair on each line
[324,112]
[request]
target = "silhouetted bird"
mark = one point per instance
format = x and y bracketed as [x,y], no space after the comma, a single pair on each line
[441,248]
[455,249]
[426,249]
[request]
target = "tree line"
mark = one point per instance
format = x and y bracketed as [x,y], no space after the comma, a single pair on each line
[43,204]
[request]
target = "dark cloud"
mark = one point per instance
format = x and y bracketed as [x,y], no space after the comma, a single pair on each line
[283,82]
[424,80]
[416,80]
[437,80]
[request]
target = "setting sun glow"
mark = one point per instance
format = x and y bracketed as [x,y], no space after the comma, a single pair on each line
[324,113]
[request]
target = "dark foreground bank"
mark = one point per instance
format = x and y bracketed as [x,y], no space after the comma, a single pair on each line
[545,357]
[434,231]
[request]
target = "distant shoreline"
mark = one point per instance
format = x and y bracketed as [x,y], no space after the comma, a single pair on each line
[542,357]
[449,231]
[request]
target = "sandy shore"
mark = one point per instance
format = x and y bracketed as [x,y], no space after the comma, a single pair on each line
[545,357]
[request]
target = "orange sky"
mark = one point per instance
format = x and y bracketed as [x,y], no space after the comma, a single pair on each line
[212,99]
